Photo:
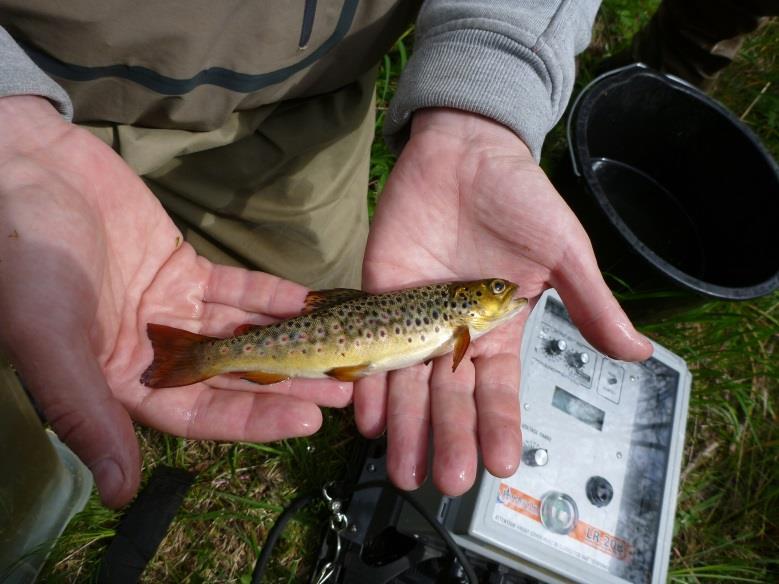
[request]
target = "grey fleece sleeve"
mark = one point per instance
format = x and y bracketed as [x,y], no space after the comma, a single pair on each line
[509,60]
[20,76]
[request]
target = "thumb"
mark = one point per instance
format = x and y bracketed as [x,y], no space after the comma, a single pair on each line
[75,399]
[595,311]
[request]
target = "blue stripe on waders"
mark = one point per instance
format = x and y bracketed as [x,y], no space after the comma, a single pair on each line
[219,76]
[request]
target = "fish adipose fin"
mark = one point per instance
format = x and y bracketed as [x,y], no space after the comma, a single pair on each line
[243,329]
[462,338]
[348,373]
[176,354]
[261,377]
[319,299]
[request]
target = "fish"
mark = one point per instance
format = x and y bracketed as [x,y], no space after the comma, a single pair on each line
[342,334]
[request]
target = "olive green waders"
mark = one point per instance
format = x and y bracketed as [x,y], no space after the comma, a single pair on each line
[280,189]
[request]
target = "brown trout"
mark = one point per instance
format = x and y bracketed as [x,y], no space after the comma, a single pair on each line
[343,334]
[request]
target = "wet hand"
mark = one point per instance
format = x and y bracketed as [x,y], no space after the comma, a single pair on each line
[466,200]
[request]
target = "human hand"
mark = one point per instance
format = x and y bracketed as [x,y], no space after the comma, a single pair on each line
[87,258]
[466,200]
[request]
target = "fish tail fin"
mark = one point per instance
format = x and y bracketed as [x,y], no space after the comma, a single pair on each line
[177,354]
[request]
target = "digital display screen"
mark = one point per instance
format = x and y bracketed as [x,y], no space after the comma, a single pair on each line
[578,408]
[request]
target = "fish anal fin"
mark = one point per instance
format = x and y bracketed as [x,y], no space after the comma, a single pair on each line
[243,329]
[462,338]
[261,377]
[319,299]
[176,357]
[352,373]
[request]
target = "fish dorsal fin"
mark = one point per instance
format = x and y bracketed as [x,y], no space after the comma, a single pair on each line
[319,299]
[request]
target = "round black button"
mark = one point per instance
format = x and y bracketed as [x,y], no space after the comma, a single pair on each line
[599,491]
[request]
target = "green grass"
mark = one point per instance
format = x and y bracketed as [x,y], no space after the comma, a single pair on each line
[727,524]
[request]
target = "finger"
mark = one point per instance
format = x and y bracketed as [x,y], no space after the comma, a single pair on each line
[76,400]
[497,404]
[213,414]
[594,309]
[323,392]
[408,422]
[370,405]
[254,291]
[453,413]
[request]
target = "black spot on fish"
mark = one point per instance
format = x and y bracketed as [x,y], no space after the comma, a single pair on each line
[478,292]
[435,314]
[397,330]
[422,338]
[427,320]
[410,340]
[419,322]
[408,322]
[437,329]
[446,316]
[465,305]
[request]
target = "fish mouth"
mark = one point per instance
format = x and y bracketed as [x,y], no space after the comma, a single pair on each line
[515,303]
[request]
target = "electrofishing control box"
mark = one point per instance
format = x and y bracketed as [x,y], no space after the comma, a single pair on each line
[594,498]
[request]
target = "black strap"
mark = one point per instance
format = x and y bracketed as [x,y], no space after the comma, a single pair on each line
[144,525]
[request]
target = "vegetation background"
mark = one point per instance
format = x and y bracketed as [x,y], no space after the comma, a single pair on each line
[727,522]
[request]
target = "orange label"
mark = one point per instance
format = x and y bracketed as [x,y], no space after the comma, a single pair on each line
[590,535]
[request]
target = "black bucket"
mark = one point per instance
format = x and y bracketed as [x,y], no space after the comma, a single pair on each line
[681,196]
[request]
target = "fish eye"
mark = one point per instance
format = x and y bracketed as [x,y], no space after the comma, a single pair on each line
[497,286]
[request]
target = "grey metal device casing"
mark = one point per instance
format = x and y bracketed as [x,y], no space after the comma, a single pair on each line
[599,422]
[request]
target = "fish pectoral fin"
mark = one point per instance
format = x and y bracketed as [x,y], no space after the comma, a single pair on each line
[243,329]
[352,373]
[462,338]
[261,377]
[319,299]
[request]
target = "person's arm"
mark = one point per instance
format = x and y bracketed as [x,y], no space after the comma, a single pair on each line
[468,200]
[512,62]
[20,76]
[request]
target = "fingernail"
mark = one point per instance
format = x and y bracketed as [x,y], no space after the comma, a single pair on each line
[109,478]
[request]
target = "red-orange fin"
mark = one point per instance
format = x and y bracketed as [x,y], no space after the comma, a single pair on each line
[462,338]
[348,373]
[319,299]
[261,377]
[243,329]
[177,357]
